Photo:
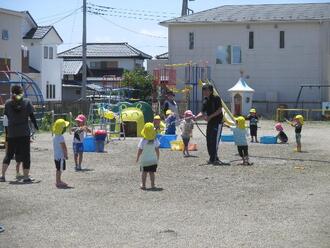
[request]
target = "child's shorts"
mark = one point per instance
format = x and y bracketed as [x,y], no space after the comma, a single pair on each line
[60,165]
[185,140]
[253,130]
[151,168]
[78,148]
[243,151]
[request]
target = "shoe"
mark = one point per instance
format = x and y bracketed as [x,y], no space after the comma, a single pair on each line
[19,176]
[219,162]
[27,180]
[2,179]
[209,162]
[78,168]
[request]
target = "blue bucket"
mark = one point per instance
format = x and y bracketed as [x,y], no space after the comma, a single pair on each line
[89,144]
[268,140]
[227,138]
[99,145]
[165,140]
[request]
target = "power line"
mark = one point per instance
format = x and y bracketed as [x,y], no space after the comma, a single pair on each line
[130,30]
[124,16]
[64,17]
[132,10]
[41,19]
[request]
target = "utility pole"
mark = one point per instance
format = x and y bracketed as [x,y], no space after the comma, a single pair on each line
[185,9]
[84,48]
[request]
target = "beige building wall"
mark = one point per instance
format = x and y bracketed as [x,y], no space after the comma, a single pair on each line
[274,73]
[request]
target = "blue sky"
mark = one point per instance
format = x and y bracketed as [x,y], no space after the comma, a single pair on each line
[137,32]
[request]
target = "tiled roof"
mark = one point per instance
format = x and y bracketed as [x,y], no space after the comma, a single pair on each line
[258,13]
[109,50]
[38,32]
[71,67]
[162,56]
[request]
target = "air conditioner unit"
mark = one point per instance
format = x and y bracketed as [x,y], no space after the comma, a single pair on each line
[326,108]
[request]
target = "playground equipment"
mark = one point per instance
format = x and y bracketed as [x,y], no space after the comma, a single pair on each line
[30,89]
[133,120]
[241,97]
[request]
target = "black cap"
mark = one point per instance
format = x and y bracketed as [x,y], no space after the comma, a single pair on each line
[207,87]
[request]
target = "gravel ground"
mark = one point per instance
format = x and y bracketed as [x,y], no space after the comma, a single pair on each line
[283,200]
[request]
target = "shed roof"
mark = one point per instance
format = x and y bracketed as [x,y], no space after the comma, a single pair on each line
[257,13]
[109,50]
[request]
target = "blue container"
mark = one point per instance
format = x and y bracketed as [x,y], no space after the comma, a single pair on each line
[268,140]
[99,145]
[227,138]
[165,140]
[89,144]
[100,137]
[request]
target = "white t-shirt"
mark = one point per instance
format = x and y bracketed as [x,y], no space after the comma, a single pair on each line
[186,128]
[58,151]
[148,156]
[5,121]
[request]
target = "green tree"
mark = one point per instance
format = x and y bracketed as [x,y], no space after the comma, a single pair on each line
[139,79]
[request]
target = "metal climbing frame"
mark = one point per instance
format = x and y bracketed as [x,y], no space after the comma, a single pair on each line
[30,88]
[193,75]
[97,120]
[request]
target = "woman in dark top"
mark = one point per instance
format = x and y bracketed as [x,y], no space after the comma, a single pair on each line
[18,111]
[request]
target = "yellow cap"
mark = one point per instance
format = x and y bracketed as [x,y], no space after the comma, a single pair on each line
[300,118]
[148,132]
[240,122]
[168,112]
[59,126]
[157,117]
[253,110]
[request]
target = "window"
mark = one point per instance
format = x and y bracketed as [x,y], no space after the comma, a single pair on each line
[229,55]
[251,40]
[191,40]
[45,52]
[50,91]
[282,38]
[78,92]
[50,52]
[104,65]
[5,35]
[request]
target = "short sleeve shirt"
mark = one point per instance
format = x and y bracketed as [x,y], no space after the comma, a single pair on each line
[211,105]
[239,136]
[253,120]
[148,156]
[58,151]
[18,118]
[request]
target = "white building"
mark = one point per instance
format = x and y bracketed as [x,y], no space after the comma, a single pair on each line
[31,49]
[159,62]
[279,47]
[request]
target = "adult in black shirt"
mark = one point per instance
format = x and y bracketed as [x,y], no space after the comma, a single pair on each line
[212,113]
[18,111]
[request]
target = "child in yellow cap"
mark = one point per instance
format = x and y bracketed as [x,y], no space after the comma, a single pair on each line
[148,154]
[159,124]
[60,150]
[240,134]
[297,123]
[253,118]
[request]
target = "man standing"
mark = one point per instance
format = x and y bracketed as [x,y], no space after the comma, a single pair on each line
[18,110]
[212,113]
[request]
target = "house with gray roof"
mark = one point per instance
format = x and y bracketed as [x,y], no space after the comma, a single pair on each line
[31,49]
[278,46]
[106,63]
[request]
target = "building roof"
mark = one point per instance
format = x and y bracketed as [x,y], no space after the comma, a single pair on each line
[40,32]
[105,50]
[162,56]
[257,13]
[24,14]
[241,86]
[71,67]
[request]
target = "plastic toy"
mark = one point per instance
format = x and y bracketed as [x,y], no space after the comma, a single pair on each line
[133,120]
[165,140]
[268,140]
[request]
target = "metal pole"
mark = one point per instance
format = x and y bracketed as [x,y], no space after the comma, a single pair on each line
[84,68]
[184,10]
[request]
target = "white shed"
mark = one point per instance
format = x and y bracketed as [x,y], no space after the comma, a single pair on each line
[241,97]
